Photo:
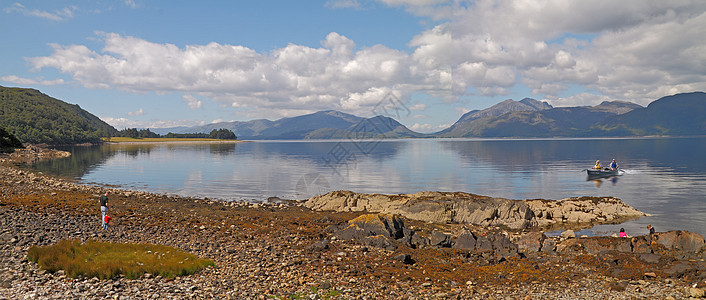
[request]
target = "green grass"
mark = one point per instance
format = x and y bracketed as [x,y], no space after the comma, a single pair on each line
[106,260]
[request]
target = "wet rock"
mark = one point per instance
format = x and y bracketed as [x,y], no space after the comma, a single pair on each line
[568,234]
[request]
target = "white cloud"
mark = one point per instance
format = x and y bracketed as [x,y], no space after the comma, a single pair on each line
[139,112]
[333,76]
[620,50]
[29,82]
[58,15]
[636,50]
[122,123]
[418,107]
[428,128]
[192,102]
[582,99]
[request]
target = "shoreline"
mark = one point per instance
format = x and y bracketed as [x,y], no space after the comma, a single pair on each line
[266,250]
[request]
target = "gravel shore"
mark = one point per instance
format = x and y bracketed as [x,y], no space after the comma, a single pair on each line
[275,250]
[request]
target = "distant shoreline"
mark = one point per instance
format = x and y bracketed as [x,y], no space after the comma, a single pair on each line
[122,140]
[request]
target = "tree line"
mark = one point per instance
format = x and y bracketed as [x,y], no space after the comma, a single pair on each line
[220,134]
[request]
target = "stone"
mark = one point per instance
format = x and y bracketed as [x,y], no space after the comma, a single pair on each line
[641,244]
[597,244]
[465,241]
[549,245]
[404,258]
[457,207]
[568,234]
[440,239]
[318,246]
[680,240]
[696,292]
[650,257]
[531,242]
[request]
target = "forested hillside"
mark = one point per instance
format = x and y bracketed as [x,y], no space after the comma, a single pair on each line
[36,118]
[8,142]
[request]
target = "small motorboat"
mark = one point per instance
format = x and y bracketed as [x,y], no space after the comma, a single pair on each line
[602,172]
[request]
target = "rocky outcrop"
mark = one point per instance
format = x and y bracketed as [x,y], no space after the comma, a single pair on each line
[680,240]
[445,207]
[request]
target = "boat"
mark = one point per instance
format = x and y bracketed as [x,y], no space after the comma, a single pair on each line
[602,172]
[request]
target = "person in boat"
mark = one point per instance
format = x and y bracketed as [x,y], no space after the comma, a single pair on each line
[622,233]
[598,165]
[613,165]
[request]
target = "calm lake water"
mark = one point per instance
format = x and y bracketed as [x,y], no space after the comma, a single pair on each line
[664,177]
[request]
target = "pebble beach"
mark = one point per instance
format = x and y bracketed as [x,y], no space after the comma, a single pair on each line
[280,249]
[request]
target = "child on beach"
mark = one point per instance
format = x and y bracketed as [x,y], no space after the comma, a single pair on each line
[106,220]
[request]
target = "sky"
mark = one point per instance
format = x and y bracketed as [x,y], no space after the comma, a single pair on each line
[156,64]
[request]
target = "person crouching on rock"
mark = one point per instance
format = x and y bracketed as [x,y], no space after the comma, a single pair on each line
[104,209]
[106,221]
[622,233]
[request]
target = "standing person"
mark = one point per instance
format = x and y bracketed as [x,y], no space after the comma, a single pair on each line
[652,233]
[104,209]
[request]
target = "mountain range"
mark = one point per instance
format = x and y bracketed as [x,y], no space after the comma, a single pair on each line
[525,118]
[34,117]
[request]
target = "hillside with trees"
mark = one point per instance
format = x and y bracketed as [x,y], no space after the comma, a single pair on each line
[8,142]
[36,118]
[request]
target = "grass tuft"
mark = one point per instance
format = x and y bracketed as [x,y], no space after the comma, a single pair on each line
[106,260]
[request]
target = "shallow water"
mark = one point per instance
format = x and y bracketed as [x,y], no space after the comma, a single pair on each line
[664,177]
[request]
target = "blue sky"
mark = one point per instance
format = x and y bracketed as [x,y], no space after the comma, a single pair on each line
[184,63]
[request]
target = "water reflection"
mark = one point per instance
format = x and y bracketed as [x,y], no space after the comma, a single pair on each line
[664,177]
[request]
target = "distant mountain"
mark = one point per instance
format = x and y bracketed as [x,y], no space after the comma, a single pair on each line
[462,127]
[36,118]
[532,118]
[320,125]
[680,114]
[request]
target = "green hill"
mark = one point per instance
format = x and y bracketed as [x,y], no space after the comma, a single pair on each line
[8,142]
[36,118]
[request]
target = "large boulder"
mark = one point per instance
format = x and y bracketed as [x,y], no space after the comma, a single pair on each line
[373,224]
[596,245]
[444,207]
[680,240]
[465,241]
[531,242]
[377,230]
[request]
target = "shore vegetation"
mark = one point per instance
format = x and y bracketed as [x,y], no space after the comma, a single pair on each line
[157,140]
[107,260]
